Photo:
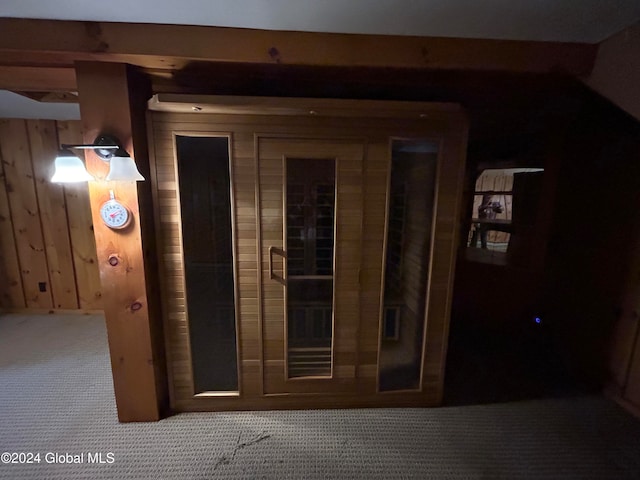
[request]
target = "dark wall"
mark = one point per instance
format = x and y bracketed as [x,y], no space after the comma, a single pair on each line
[588,224]
[595,224]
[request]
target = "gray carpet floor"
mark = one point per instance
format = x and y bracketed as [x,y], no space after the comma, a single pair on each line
[56,396]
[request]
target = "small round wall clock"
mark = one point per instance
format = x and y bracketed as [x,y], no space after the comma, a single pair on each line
[114,214]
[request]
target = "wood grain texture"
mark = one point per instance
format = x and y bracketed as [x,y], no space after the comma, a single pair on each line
[171,252]
[362,197]
[83,244]
[50,311]
[37,78]
[43,141]
[51,42]
[62,216]
[23,201]
[348,156]
[302,107]
[11,293]
[110,103]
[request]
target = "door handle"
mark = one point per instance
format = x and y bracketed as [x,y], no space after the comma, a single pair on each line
[272,275]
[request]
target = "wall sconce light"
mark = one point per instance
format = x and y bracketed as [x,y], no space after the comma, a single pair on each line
[69,168]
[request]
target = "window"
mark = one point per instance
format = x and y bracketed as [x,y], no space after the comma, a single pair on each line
[497,193]
[310,205]
[205,202]
[410,215]
[391,327]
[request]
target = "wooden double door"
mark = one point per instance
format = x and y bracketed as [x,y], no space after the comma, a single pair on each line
[307,261]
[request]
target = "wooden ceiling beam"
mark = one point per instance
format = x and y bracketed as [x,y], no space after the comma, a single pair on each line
[38,79]
[172,47]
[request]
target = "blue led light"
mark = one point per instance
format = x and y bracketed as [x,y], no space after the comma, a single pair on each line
[538,320]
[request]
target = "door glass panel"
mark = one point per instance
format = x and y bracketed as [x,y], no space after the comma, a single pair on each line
[310,212]
[410,217]
[205,205]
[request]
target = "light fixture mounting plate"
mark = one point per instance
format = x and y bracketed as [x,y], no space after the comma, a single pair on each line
[106,153]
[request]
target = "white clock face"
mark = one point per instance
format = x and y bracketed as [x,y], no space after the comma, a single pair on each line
[114,214]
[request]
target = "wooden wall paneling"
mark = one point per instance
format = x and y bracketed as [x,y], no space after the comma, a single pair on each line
[245,205]
[43,141]
[11,291]
[161,246]
[348,262]
[23,201]
[83,243]
[271,187]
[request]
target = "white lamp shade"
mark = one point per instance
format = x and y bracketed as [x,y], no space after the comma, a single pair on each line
[123,169]
[69,169]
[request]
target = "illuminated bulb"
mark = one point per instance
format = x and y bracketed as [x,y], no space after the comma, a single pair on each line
[122,168]
[69,169]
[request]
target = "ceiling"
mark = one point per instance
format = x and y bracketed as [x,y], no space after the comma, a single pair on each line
[13,105]
[587,21]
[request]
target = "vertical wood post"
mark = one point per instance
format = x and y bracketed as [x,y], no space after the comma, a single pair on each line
[113,101]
